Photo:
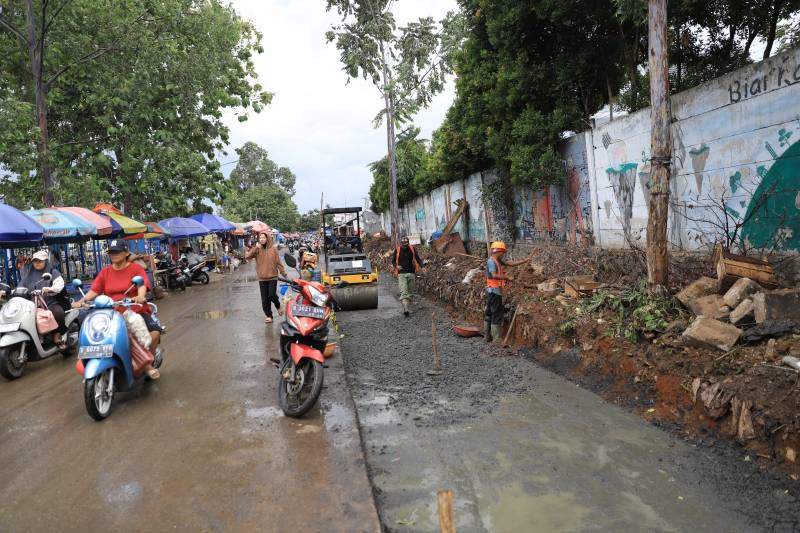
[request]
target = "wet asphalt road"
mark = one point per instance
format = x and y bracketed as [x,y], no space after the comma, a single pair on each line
[204,449]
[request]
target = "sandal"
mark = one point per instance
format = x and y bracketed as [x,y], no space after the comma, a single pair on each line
[153,373]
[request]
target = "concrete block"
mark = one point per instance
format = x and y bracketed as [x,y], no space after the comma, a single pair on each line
[779,304]
[697,289]
[743,288]
[707,332]
[708,306]
[743,311]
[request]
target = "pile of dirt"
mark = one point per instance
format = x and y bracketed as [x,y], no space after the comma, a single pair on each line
[745,396]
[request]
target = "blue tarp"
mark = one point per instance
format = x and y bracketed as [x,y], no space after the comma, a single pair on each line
[213,222]
[183,228]
[17,228]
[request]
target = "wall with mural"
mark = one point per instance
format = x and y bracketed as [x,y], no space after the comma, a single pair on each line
[735,166]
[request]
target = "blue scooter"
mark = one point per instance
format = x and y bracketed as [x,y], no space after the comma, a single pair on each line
[104,349]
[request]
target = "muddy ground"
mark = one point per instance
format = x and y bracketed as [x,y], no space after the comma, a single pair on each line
[508,435]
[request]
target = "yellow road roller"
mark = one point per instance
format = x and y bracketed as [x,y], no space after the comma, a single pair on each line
[345,260]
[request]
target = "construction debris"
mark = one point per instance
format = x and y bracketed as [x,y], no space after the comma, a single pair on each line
[743,312]
[731,267]
[708,306]
[741,289]
[579,286]
[704,286]
[769,330]
[772,305]
[707,332]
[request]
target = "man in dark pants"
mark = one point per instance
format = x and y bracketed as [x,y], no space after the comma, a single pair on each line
[495,281]
[406,265]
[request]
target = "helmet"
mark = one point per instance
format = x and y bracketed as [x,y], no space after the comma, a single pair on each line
[498,245]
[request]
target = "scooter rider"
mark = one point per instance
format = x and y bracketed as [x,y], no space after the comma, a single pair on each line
[115,280]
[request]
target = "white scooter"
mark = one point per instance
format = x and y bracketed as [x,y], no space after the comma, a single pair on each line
[20,341]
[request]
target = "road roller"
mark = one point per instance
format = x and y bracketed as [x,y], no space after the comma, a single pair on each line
[345,260]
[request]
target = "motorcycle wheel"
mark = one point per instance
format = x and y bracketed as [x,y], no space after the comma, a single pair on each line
[72,333]
[296,399]
[10,365]
[203,278]
[98,395]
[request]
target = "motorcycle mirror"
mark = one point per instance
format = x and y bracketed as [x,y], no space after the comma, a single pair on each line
[290,260]
[137,280]
[47,276]
[77,283]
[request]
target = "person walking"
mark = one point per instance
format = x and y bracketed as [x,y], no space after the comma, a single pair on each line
[496,279]
[268,266]
[406,265]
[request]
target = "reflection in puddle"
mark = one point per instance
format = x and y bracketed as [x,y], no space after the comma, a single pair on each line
[263,413]
[379,412]
[124,493]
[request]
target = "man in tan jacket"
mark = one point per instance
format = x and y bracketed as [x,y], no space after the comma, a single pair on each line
[268,265]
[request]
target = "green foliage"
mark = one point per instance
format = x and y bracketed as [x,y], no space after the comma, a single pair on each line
[413,158]
[135,99]
[259,189]
[635,310]
[309,221]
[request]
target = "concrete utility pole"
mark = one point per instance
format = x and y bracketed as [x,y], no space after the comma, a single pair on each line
[660,145]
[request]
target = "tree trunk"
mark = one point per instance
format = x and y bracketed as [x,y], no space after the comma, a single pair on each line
[773,26]
[660,146]
[40,92]
[391,144]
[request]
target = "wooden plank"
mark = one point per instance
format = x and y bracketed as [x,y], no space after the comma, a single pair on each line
[444,500]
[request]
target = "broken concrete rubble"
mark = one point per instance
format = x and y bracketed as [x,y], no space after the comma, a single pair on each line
[741,289]
[743,312]
[707,332]
[709,306]
[772,305]
[704,286]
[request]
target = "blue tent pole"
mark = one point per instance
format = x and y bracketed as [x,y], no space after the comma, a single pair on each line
[83,259]
[7,266]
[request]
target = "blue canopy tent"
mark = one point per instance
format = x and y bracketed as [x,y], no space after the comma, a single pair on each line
[213,222]
[184,228]
[16,230]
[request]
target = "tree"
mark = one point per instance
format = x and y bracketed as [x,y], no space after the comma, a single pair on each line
[258,189]
[412,167]
[140,125]
[256,168]
[267,203]
[309,221]
[408,67]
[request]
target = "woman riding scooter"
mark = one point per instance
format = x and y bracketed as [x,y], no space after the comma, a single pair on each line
[53,290]
[115,280]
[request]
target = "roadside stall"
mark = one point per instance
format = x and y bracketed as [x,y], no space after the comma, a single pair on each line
[65,233]
[17,230]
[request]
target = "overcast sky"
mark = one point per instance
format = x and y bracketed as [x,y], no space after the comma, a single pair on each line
[317,125]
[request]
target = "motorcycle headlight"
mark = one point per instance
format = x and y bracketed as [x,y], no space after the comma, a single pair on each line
[98,325]
[11,309]
[318,297]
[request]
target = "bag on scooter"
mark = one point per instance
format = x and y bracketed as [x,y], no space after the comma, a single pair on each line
[137,328]
[140,357]
[45,321]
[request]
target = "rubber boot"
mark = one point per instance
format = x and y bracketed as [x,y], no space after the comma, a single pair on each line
[487,331]
[497,333]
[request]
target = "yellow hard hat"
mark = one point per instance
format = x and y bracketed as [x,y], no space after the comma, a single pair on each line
[498,245]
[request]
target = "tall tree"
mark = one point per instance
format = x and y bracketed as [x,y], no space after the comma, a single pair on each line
[254,168]
[408,65]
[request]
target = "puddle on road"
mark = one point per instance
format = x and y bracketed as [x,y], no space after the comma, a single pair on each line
[516,510]
[245,279]
[263,413]
[379,412]
[124,493]
[209,315]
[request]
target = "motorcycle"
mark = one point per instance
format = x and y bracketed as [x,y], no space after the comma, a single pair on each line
[304,336]
[173,276]
[20,340]
[197,272]
[104,350]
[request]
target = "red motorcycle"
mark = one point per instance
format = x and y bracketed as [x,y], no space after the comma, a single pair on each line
[304,336]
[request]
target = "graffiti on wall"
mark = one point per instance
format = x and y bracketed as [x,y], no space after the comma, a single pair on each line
[772,77]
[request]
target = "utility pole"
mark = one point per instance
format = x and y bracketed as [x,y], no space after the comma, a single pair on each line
[660,146]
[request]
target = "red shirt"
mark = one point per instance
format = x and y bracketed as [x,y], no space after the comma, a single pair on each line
[113,283]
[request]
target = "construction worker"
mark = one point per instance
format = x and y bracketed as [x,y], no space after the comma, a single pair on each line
[496,279]
[406,265]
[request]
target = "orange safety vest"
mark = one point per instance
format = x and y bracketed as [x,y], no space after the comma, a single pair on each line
[413,258]
[493,283]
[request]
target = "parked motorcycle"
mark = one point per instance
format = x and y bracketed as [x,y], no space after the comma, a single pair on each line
[304,336]
[20,340]
[172,274]
[198,272]
[105,351]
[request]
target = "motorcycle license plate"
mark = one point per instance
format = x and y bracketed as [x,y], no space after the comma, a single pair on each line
[308,310]
[96,352]
[8,328]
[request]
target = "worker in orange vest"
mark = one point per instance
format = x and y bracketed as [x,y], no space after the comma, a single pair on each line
[496,279]
[406,263]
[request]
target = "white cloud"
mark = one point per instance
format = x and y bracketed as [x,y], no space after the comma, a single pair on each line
[317,124]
